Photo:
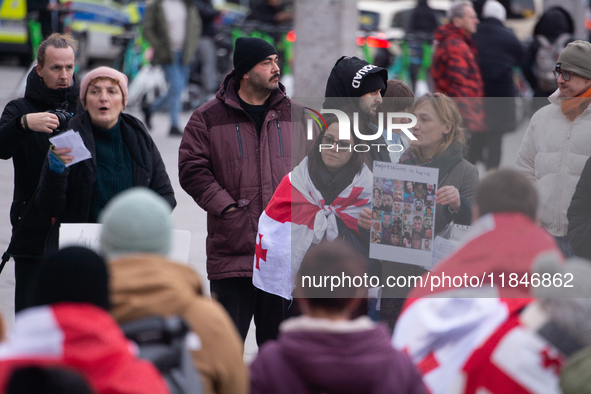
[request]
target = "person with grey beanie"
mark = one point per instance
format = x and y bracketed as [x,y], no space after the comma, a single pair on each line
[136,238]
[557,142]
[235,151]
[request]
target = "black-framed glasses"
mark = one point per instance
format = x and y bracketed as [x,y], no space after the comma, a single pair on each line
[341,145]
[565,74]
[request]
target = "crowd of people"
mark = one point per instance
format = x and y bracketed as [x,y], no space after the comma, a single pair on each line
[288,199]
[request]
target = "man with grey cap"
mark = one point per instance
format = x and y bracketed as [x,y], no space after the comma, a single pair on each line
[136,238]
[235,151]
[557,142]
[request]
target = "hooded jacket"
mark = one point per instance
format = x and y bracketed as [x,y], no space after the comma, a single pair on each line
[222,162]
[343,89]
[552,156]
[83,337]
[67,196]
[28,151]
[320,356]
[144,285]
[499,51]
[456,73]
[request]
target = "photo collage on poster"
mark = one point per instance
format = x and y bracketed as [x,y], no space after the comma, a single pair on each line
[403,213]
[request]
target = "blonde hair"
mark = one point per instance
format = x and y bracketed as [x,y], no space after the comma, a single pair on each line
[449,114]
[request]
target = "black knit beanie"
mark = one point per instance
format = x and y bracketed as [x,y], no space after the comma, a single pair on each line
[372,83]
[248,52]
[49,380]
[73,274]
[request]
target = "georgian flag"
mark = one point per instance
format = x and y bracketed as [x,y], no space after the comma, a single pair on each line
[297,217]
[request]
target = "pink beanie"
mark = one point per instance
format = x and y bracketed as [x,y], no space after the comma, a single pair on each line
[104,72]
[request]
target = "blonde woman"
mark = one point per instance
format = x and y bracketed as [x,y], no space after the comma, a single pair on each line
[440,144]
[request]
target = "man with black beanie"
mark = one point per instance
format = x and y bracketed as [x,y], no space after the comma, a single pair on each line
[235,151]
[353,82]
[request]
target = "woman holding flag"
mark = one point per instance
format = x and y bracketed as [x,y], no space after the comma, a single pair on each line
[319,200]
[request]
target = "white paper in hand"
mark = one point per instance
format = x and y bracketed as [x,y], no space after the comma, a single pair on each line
[72,139]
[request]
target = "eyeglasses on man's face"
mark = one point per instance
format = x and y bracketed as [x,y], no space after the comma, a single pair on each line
[341,145]
[565,74]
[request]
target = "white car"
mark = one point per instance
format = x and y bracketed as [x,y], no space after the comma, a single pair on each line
[391,18]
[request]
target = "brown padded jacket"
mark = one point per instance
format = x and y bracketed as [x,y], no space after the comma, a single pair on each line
[145,285]
[222,163]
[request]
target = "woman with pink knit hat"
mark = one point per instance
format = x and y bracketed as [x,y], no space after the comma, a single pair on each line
[123,155]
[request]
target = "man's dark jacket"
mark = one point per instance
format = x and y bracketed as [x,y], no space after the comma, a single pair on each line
[499,51]
[28,151]
[67,196]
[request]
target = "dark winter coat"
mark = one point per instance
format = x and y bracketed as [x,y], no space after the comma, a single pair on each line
[208,15]
[554,22]
[456,73]
[67,196]
[423,19]
[305,361]
[498,52]
[579,215]
[156,33]
[222,163]
[28,151]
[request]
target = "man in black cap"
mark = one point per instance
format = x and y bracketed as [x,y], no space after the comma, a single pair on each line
[235,151]
[353,82]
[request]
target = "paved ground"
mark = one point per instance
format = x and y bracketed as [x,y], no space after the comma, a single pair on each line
[188,215]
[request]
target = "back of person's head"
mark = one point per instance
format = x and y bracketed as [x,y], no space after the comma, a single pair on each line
[494,9]
[50,380]
[330,259]
[507,191]
[73,274]
[55,40]
[449,114]
[136,221]
[568,315]
[397,98]
[567,307]
[554,22]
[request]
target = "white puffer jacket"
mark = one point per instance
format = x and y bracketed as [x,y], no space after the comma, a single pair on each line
[552,155]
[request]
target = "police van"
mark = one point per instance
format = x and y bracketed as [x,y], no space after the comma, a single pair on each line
[92,22]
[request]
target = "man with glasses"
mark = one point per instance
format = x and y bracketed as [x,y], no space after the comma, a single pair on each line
[557,142]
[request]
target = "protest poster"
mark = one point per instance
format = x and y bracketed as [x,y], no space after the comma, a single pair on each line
[403,213]
[88,235]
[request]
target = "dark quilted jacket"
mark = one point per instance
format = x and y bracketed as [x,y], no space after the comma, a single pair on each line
[456,73]
[222,162]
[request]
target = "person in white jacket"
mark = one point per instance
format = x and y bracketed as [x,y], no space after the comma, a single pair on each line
[557,142]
